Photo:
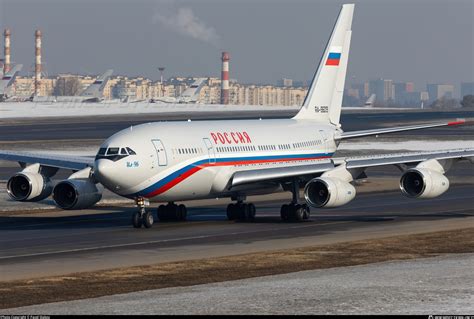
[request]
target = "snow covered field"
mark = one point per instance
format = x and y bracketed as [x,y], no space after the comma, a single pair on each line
[31,109]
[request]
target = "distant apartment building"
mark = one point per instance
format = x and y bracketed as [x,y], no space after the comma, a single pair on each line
[382,88]
[404,94]
[467,88]
[25,86]
[438,91]
[142,89]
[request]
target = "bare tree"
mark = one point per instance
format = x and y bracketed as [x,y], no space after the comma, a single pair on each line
[468,101]
[67,86]
[444,103]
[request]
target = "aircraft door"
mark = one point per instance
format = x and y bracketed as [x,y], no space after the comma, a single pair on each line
[161,152]
[210,150]
[324,140]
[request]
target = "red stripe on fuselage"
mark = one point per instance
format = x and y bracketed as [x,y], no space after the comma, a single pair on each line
[195,169]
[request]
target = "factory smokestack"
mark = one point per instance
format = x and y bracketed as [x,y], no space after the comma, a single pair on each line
[37,61]
[6,63]
[225,78]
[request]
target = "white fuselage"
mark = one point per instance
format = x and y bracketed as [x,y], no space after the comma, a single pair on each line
[197,159]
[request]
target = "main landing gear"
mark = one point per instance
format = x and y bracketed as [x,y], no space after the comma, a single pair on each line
[295,211]
[241,211]
[142,216]
[169,212]
[172,212]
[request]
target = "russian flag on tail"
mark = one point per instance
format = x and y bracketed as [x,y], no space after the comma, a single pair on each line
[334,56]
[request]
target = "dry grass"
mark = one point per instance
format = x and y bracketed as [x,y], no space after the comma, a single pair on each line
[187,273]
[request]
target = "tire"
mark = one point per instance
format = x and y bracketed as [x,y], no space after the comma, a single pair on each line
[243,211]
[230,212]
[299,212]
[148,219]
[136,220]
[284,212]
[307,212]
[183,212]
[252,211]
[171,212]
[161,212]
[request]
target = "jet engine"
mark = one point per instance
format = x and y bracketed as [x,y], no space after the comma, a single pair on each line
[76,194]
[29,186]
[328,192]
[423,183]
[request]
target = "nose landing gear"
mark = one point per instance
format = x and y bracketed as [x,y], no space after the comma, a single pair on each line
[142,217]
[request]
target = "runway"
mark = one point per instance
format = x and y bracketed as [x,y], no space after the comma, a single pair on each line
[56,242]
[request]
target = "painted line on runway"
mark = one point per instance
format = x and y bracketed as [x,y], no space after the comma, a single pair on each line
[166,241]
[89,232]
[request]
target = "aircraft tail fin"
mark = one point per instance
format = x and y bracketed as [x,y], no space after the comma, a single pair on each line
[95,90]
[370,101]
[324,99]
[9,77]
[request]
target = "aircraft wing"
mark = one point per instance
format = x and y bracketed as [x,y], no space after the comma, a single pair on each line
[287,173]
[51,160]
[355,134]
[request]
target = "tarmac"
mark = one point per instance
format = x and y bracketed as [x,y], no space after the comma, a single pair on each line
[412,287]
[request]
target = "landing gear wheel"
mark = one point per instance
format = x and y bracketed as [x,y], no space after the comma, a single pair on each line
[243,210]
[231,208]
[161,212]
[285,212]
[252,211]
[147,219]
[137,220]
[299,212]
[307,212]
[182,212]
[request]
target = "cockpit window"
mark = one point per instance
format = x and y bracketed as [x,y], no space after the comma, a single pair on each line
[113,151]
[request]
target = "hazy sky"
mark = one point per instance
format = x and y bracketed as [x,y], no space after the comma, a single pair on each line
[417,40]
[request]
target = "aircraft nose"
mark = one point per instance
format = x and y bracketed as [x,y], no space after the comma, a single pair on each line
[103,169]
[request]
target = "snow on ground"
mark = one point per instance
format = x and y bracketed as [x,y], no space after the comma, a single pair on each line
[31,109]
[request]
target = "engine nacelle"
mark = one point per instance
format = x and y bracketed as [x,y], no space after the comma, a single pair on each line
[423,183]
[328,192]
[29,186]
[76,194]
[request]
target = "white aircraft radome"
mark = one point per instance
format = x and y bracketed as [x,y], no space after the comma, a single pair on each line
[170,162]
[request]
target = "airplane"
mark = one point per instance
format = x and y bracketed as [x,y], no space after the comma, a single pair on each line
[370,101]
[7,80]
[190,95]
[92,94]
[169,162]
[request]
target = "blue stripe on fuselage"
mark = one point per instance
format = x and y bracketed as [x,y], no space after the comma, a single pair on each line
[183,170]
